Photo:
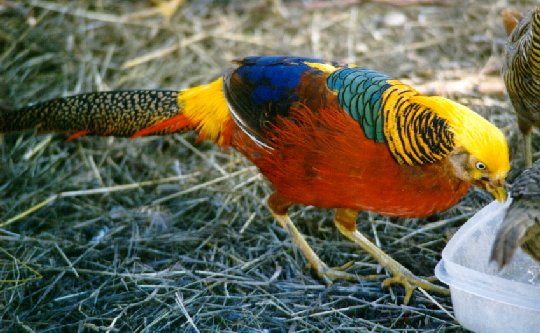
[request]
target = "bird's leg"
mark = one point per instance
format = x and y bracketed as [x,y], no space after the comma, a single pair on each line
[526,129]
[279,207]
[345,220]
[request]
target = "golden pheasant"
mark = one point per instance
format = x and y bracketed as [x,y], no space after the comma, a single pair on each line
[521,71]
[521,225]
[324,134]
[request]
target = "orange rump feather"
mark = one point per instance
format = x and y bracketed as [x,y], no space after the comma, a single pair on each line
[322,158]
[77,134]
[171,125]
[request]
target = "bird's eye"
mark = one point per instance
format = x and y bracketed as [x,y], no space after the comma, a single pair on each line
[480,166]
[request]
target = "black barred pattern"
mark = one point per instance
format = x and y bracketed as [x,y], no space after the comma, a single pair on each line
[414,133]
[118,113]
[425,136]
[527,185]
[521,70]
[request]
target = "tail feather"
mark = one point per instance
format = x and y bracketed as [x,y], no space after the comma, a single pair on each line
[171,125]
[118,113]
[129,114]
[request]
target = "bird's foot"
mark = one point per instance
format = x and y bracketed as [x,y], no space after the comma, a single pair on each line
[345,221]
[409,281]
[322,270]
[330,274]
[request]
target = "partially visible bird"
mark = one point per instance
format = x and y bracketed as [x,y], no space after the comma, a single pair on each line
[521,225]
[510,18]
[323,133]
[521,71]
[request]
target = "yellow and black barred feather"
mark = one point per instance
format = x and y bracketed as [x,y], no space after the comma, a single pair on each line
[414,133]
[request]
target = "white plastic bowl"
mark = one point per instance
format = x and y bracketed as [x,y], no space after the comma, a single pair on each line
[484,298]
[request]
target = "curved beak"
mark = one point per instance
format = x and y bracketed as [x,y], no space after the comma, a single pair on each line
[496,188]
[498,192]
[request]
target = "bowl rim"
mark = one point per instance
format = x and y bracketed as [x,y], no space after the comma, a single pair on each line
[488,286]
[496,292]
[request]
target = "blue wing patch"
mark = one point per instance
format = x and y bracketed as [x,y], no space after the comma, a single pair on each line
[273,79]
[263,88]
[359,92]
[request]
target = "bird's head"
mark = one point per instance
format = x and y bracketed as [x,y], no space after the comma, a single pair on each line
[486,172]
[480,155]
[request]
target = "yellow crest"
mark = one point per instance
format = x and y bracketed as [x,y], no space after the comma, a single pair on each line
[471,131]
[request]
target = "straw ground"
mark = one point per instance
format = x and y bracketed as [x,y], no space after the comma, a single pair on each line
[164,234]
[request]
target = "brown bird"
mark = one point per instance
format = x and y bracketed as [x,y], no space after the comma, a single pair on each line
[521,225]
[521,71]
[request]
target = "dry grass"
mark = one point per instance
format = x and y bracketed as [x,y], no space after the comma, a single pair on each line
[169,254]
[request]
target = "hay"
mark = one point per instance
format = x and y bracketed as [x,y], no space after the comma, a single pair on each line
[154,250]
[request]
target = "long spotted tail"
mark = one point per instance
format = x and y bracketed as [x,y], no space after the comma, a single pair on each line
[116,113]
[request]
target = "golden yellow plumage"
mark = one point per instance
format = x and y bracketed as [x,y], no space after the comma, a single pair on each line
[470,130]
[206,107]
[397,93]
[323,67]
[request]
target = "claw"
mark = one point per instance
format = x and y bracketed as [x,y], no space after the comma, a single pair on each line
[329,274]
[345,266]
[410,282]
[399,273]
[345,221]
[322,270]
[431,279]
